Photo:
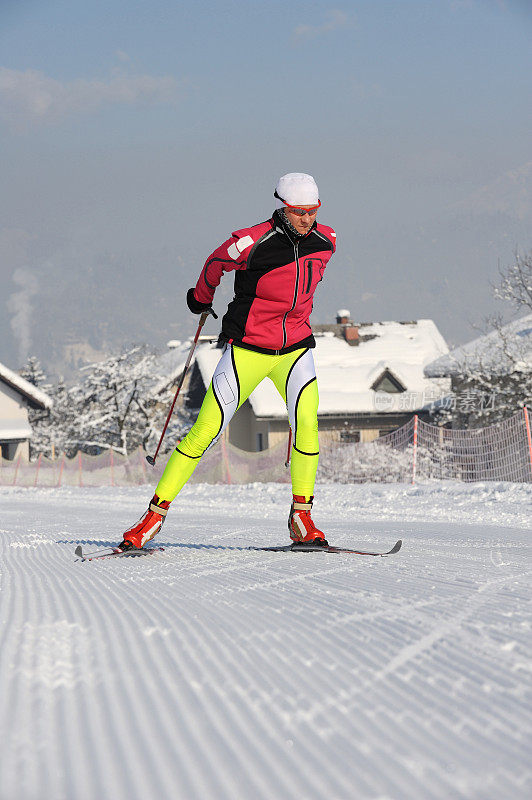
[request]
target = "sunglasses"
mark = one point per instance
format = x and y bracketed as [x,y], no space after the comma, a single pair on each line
[300,212]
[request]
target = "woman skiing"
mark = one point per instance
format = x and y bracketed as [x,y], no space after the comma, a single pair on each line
[266,332]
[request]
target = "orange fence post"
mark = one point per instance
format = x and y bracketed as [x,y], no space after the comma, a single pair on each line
[37,470]
[79,469]
[142,464]
[61,470]
[225,459]
[112,468]
[528,436]
[414,459]
[16,469]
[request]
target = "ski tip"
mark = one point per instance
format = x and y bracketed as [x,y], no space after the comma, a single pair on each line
[79,551]
[397,546]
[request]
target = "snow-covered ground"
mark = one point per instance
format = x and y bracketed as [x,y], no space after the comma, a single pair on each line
[212,672]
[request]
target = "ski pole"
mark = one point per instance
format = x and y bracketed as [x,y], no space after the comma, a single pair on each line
[151,459]
[287,462]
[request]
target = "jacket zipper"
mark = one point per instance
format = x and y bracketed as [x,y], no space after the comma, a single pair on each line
[296,253]
[309,280]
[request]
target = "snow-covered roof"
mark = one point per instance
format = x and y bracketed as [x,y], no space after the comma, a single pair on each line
[347,373]
[31,392]
[170,364]
[15,429]
[495,352]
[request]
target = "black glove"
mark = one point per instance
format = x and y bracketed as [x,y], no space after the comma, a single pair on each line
[196,307]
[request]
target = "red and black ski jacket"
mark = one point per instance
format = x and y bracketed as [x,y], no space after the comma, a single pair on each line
[276,276]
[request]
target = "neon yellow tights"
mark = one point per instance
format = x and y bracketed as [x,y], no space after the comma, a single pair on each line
[238,372]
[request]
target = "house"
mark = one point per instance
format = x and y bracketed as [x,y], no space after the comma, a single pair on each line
[499,351]
[370,376]
[17,395]
[488,372]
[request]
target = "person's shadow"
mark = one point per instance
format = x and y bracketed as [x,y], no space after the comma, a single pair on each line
[166,545]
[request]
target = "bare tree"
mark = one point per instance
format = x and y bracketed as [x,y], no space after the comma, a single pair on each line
[515,284]
[495,381]
[120,404]
[112,402]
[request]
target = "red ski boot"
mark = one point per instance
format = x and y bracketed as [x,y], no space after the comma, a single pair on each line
[302,529]
[148,525]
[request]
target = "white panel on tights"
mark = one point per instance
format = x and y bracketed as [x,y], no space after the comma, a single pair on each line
[225,388]
[302,372]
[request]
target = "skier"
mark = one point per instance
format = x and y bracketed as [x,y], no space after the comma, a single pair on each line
[266,333]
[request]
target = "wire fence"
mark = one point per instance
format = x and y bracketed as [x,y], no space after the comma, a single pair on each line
[419,451]
[415,452]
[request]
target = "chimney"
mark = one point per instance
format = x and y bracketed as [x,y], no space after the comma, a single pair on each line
[343,316]
[350,330]
[351,334]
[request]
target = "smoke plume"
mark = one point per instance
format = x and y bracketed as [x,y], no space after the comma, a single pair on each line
[21,307]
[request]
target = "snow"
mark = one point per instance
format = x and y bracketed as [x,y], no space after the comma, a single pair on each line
[346,373]
[212,672]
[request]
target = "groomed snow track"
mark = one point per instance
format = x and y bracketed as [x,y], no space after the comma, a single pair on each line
[212,672]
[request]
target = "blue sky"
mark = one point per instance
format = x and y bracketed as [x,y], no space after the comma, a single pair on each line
[135,136]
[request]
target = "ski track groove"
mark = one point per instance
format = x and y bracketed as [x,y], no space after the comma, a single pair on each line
[222,674]
[118,695]
[213,708]
[144,606]
[135,682]
[214,650]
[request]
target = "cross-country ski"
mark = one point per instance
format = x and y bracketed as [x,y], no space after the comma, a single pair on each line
[114,552]
[309,548]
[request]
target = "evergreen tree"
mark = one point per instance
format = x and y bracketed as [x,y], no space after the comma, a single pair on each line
[33,372]
[38,418]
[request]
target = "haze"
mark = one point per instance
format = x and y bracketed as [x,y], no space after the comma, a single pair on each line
[136,136]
